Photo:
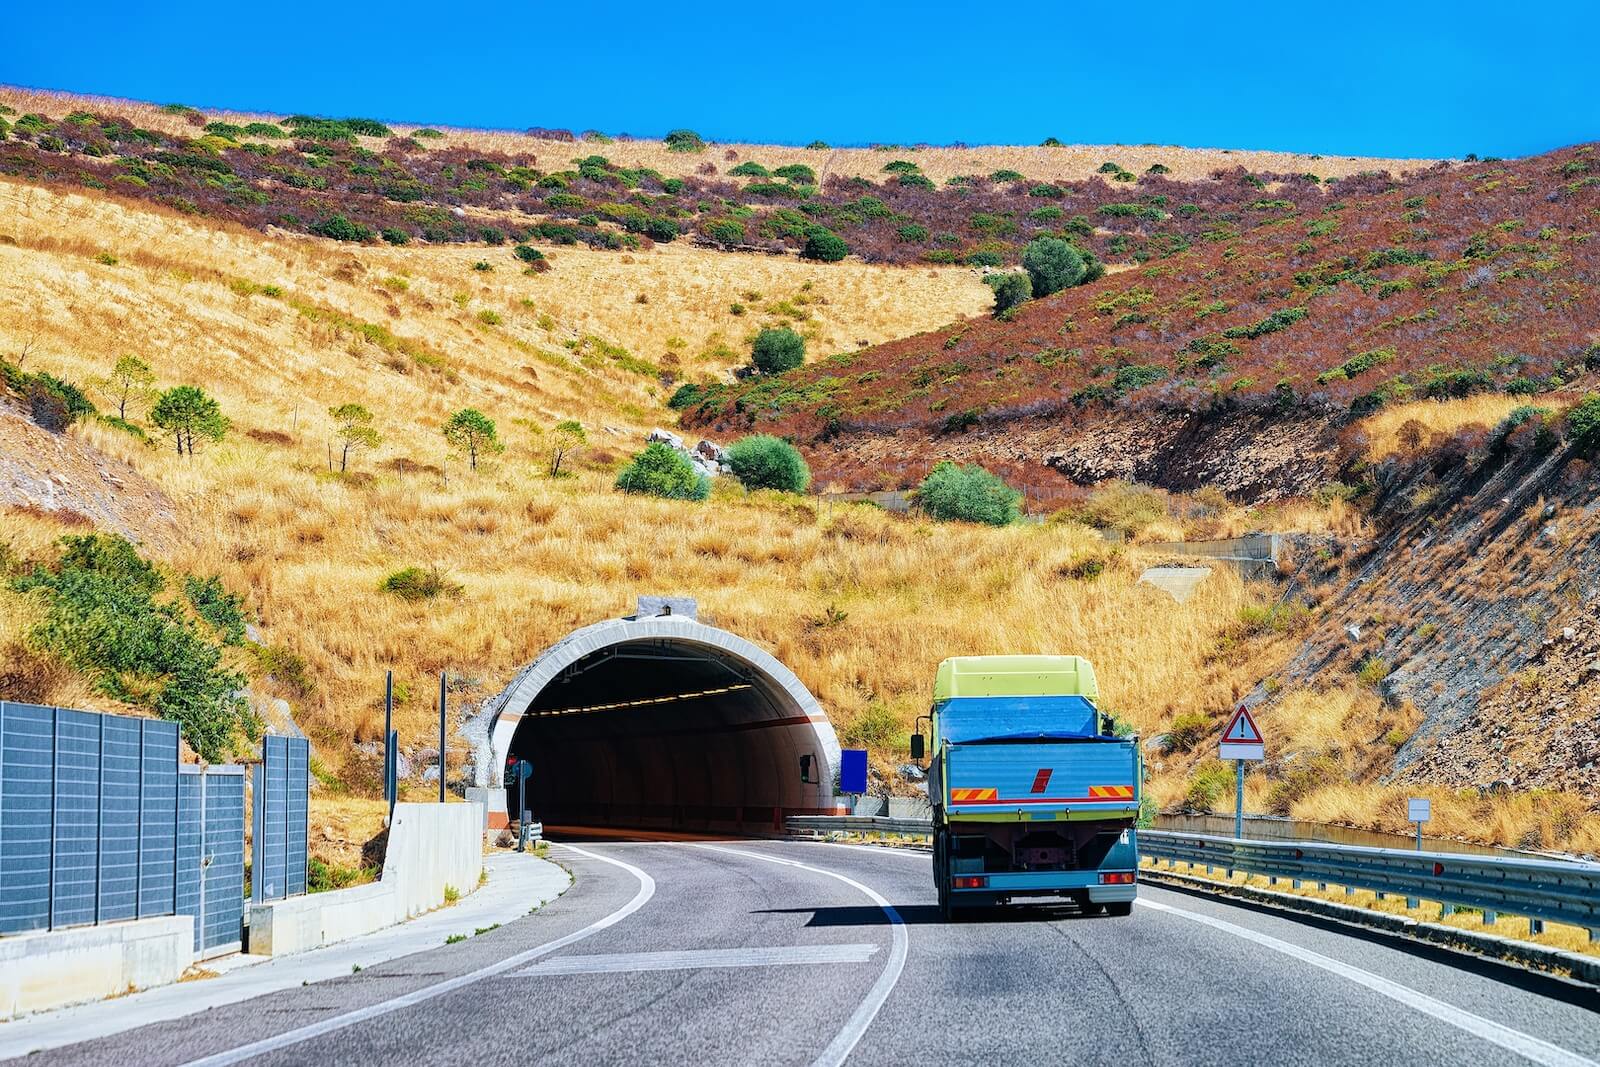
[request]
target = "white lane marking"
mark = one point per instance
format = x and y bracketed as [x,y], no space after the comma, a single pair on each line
[647,889]
[1536,1049]
[630,962]
[845,1041]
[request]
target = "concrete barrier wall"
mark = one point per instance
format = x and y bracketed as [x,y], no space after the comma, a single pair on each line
[431,847]
[51,969]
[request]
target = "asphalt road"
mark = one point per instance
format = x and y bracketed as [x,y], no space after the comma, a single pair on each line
[758,952]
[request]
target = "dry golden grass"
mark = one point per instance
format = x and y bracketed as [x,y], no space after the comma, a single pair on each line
[1064,162]
[181,294]
[1384,429]
[535,556]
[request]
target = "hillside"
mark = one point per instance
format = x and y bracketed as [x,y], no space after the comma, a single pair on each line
[289,563]
[362,181]
[532,556]
[1235,363]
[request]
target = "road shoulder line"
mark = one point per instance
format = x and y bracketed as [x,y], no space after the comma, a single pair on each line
[1525,1045]
[647,889]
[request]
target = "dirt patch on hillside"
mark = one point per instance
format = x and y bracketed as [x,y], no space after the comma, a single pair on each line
[62,477]
[1253,457]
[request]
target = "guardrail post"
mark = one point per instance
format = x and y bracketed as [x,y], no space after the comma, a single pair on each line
[1535,926]
[1446,909]
[1349,891]
[1490,918]
[1412,903]
[1294,883]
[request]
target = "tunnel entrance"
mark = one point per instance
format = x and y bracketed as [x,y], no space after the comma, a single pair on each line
[659,721]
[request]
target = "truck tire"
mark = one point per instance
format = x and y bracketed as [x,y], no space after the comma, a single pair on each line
[1119,909]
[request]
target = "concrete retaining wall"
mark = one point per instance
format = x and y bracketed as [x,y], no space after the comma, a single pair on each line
[51,969]
[431,847]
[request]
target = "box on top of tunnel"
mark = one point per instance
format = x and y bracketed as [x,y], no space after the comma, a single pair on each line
[651,607]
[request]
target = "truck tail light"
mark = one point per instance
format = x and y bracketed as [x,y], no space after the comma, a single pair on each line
[1116,877]
[969,883]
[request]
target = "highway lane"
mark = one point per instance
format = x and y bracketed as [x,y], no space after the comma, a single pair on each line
[792,952]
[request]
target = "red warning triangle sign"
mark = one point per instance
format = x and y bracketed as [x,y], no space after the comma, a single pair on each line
[1242,729]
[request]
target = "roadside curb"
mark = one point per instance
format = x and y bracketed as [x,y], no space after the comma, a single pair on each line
[517,884]
[1577,967]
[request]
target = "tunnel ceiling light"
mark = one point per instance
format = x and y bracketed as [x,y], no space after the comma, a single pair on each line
[641,703]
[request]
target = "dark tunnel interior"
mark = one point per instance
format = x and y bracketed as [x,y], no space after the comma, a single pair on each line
[661,734]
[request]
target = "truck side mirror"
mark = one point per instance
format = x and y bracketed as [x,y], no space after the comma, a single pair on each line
[917,746]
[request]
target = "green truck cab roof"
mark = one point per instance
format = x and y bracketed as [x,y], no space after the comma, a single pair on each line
[1011,676]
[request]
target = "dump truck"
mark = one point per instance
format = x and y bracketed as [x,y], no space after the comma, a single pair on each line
[1033,795]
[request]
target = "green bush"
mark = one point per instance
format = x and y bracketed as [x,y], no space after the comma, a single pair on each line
[762,461]
[796,172]
[1006,176]
[213,603]
[725,231]
[1187,731]
[750,169]
[1052,265]
[684,141]
[1011,289]
[527,253]
[912,232]
[270,130]
[778,349]
[686,395]
[1583,421]
[1210,782]
[825,245]
[662,471]
[339,228]
[394,236]
[1281,319]
[102,616]
[969,494]
[415,583]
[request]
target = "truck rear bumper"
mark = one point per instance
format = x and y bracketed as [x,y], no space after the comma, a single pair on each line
[1049,883]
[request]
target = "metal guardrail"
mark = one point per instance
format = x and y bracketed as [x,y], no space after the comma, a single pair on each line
[1540,890]
[858,824]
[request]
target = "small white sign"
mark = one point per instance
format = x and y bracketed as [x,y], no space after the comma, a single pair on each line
[1419,809]
[1241,738]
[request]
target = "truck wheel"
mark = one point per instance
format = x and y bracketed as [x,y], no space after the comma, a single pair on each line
[1118,909]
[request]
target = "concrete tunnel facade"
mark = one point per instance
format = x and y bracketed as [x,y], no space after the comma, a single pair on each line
[660,721]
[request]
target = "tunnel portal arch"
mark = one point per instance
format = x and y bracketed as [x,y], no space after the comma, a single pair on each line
[659,720]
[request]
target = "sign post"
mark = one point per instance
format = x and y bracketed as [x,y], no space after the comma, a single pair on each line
[1419,810]
[1241,742]
[522,770]
[853,771]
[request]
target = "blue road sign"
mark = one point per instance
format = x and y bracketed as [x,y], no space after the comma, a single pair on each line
[853,770]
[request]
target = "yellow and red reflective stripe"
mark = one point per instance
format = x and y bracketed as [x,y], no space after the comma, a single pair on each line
[967,796]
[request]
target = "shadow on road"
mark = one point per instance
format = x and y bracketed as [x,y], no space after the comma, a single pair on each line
[928,915]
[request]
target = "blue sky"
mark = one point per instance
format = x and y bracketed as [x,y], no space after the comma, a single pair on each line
[1348,77]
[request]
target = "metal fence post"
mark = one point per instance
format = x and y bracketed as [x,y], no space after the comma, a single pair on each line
[441,736]
[50,880]
[99,818]
[138,855]
[388,734]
